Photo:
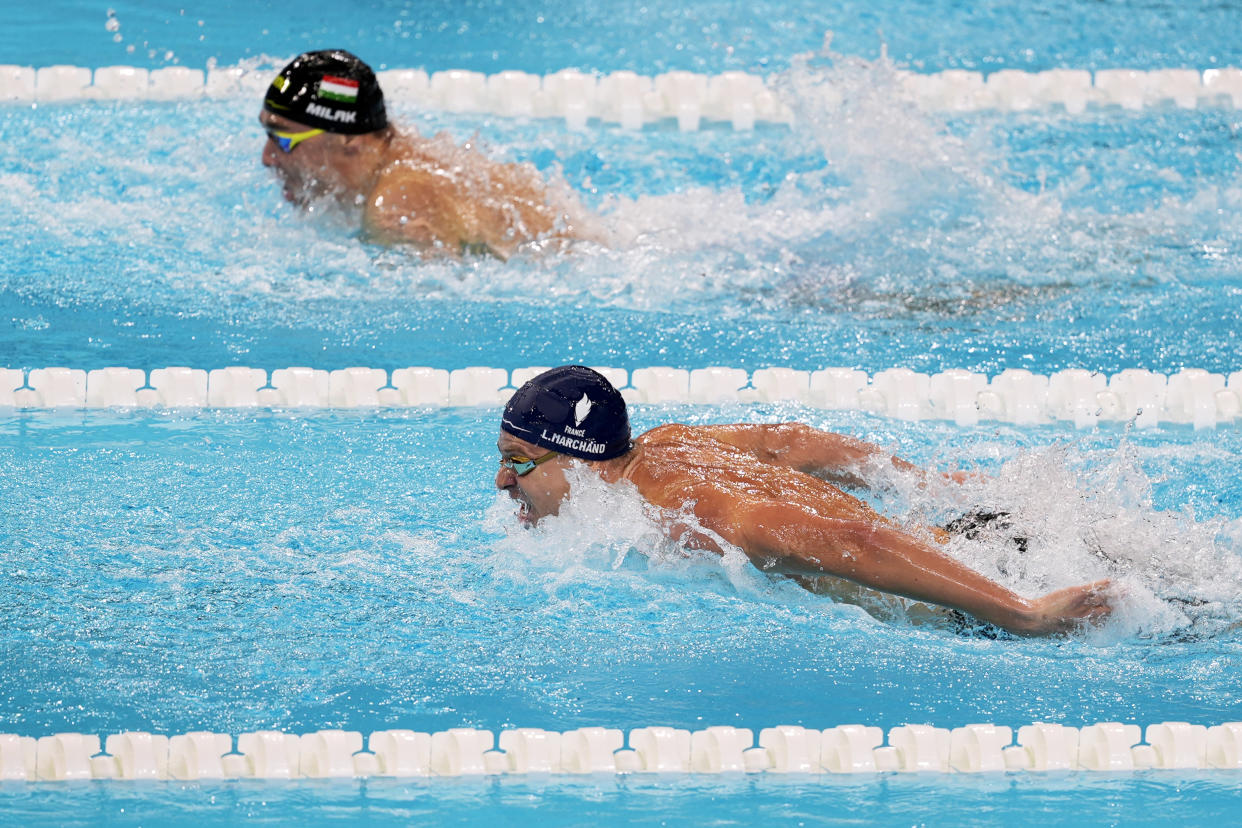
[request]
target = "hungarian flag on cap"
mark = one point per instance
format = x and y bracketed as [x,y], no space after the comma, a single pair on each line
[338,89]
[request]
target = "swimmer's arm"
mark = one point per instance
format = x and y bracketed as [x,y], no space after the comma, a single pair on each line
[415,206]
[825,454]
[879,555]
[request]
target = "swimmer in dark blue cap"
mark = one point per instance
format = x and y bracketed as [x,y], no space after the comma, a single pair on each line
[768,489]
[328,136]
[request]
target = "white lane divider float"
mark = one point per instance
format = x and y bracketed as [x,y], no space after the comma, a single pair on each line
[786,749]
[1191,396]
[632,101]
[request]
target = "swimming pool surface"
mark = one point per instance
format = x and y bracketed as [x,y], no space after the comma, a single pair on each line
[240,570]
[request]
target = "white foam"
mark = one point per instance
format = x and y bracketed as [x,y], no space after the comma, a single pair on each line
[608,528]
[1086,514]
[891,172]
[1089,514]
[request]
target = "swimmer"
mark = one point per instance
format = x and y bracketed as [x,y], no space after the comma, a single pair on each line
[328,136]
[771,490]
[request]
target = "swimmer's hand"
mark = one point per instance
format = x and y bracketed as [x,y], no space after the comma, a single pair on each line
[1066,610]
[959,477]
[962,477]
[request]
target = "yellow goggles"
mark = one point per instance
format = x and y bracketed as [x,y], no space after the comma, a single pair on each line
[288,140]
[520,465]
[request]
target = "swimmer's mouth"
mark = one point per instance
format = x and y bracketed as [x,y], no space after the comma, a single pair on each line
[290,188]
[523,513]
[293,191]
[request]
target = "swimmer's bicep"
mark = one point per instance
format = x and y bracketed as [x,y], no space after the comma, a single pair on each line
[793,539]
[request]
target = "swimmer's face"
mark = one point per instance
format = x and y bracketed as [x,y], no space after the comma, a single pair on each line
[540,491]
[311,169]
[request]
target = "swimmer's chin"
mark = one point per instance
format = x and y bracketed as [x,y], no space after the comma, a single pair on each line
[299,193]
[300,197]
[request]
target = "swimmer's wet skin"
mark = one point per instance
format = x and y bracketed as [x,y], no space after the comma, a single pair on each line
[771,490]
[328,136]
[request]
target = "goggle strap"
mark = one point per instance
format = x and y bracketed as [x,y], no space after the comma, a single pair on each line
[526,466]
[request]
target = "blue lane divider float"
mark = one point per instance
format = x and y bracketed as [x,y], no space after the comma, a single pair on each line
[852,749]
[1192,396]
[632,100]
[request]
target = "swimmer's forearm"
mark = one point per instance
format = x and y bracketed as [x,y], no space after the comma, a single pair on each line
[890,560]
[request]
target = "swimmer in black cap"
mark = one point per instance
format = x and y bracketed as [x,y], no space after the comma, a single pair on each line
[328,135]
[767,489]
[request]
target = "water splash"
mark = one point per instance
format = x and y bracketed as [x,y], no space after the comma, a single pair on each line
[1083,515]
[609,528]
[1086,514]
[914,211]
[866,215]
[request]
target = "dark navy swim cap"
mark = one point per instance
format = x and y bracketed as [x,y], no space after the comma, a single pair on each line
[332,90]
[572,410]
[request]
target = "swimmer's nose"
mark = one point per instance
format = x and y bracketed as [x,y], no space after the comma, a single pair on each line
[269,152]
[505,478]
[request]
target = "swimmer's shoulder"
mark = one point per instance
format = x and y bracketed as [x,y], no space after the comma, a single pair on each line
[406,178]
[668,434]
[409,204]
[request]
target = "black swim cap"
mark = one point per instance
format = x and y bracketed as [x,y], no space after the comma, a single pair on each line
[572,410]
[332,90]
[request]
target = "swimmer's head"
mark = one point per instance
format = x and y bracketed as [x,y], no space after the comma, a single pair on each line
[571,410]
[330,90]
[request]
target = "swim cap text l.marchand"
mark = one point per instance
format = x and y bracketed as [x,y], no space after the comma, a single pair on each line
[570,444]
[573,410]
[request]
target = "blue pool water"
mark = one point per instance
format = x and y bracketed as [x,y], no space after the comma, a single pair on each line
[1032,241]
[233,571]
[646,36]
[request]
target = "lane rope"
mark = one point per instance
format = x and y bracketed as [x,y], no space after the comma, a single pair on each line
[273,754]
[1192,396]
[738,99]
